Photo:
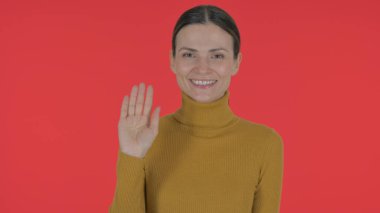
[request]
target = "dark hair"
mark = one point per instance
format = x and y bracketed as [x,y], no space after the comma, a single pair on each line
[203,14]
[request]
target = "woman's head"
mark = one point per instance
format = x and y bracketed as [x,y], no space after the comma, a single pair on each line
[205,46]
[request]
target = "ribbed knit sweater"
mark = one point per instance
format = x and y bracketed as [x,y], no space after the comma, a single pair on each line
[205,159]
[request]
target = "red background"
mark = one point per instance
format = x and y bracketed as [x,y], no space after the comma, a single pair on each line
[310,70]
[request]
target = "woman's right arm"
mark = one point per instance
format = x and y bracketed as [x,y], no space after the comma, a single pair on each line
[137,131]
[129,194]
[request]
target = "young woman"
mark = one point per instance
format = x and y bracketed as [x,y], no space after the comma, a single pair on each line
[203,157]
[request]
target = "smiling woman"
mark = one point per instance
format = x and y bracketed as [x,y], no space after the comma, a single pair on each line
[203,157]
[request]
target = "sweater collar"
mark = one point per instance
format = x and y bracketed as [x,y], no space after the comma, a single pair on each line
[205,117]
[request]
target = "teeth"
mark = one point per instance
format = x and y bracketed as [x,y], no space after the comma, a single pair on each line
[197,82]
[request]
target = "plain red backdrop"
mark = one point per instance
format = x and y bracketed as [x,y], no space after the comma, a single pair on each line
[310,70]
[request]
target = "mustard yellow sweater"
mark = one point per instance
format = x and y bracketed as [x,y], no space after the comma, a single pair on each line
[205,159]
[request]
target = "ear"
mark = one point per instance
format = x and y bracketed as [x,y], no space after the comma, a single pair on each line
[237,63]
[172,61]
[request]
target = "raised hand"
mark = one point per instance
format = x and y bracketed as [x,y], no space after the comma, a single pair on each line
[137,129]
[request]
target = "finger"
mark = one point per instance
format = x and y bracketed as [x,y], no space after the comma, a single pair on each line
[155,120]
[148,101]
[132,101]
[124,108]
[140,99]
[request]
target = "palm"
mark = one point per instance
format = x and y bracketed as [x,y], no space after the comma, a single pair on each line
[136,130]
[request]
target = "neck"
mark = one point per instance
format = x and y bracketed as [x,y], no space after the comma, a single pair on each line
[205,118]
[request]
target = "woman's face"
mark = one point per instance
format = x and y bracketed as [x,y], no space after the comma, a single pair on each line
[204,52]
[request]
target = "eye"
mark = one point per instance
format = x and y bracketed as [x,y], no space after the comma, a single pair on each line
[218,56]
[187,55]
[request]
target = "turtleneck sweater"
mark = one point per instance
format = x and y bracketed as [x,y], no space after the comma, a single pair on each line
[204,159]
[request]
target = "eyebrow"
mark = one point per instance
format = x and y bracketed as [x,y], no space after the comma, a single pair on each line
[194,50]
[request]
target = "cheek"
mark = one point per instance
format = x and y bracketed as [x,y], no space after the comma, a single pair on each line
[184,67]
[224,70]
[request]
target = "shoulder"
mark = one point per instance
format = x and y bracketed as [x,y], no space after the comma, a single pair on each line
[268,135]
[266,140]
[167,119]
[167,122]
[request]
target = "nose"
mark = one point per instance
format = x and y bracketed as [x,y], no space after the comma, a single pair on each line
[202,65]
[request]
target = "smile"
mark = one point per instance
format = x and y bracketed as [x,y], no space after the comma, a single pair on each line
[203,83]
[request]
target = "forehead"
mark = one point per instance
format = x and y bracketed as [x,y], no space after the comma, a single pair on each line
[204,36]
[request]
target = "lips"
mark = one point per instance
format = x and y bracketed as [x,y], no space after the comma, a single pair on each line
[202,79]
[194,83]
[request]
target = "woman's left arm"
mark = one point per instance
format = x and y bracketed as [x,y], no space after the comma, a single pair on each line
[268,192]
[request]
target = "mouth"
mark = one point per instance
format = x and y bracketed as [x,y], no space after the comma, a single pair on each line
[203,84]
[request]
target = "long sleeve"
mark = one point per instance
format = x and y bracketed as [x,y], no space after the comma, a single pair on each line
[129,196]
[268,192]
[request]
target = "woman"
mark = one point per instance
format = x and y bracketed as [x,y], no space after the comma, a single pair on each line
[201,158]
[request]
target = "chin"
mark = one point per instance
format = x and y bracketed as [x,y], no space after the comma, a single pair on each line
[203,98]
[198,96]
